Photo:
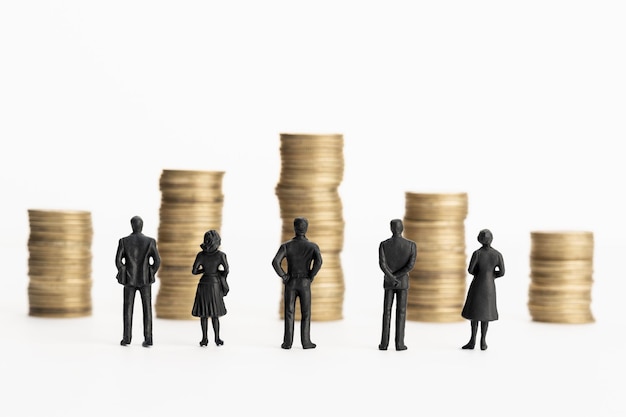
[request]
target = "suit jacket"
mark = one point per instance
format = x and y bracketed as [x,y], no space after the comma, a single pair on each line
[303,258]
[396,257]
[133,260]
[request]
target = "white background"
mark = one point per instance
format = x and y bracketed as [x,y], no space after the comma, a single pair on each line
[519,104]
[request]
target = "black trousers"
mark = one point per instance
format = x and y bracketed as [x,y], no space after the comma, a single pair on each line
[298,287]
[129,303]
[401,301]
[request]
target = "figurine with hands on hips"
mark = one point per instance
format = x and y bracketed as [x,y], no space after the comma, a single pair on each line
[212,287]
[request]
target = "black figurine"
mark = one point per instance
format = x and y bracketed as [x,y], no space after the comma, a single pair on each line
[396,257]
[212,288]
[485,265]
[304,261]
[137,262]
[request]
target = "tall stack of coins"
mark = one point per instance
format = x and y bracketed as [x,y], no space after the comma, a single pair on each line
[561,272]
[311,172]
[59,263]
[191,204]
[435,222]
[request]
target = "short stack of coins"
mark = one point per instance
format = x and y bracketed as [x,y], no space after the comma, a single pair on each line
[311,171]
[59,263]
[191,204]
[436,223]
[561,272]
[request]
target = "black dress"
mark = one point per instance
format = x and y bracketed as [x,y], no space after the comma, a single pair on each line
[480,304]
[209,300]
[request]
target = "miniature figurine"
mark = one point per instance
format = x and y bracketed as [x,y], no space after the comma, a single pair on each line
[396,257]
[304,261]
[137,262]
[212,288]
[485,265]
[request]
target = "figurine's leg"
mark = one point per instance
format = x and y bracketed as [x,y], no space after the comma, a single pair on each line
[472,341]
[387,304]
[484,325]
[401,301]
[216,329]
[289,312]
[146,302]
[204,324]
[305,323]
[129,302]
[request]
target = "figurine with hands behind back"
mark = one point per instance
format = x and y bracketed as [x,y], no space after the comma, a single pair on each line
[212,287]
[396,257]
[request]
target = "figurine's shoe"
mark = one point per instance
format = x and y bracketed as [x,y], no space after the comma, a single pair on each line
[401,347]
[483,345]
[309,345]
[382,347]
[125,342]
[204,342]
[470,345]
[147,343]
[285,346]
[219,342]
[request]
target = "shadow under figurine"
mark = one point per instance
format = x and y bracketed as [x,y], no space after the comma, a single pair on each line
[137,261]
[212,287]
[396,257]
[304,261]
[485,265]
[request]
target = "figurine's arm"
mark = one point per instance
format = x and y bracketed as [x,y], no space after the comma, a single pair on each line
[473,265]
[223,274]
[500,266]
[119,256]
[225,265]
[197,267]
[317,263]
[276,263]
[410,263]
[382,262]
[156,258]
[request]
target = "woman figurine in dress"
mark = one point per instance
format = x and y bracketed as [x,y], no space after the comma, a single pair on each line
[485,265]
[212,288]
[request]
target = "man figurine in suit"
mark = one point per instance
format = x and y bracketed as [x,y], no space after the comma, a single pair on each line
[137,262]
[304,261]
[396,257]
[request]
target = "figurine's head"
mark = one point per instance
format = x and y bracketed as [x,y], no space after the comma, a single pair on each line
[485,237]
[396,227]
[212,241]
[300,226]
[137,224]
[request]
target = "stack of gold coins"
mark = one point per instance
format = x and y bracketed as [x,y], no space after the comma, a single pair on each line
[435,222]
[59,263]
[561,272]
[311,172]
[191,204]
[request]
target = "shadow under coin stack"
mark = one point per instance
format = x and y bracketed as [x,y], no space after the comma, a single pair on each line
[561,272]
[59,264]
[191,204]
[312,170]
[435,222]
